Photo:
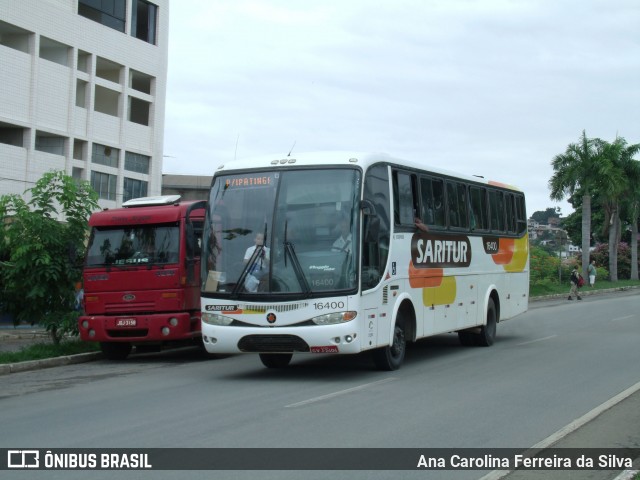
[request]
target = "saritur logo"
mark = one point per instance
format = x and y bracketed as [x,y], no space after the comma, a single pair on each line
[23,459]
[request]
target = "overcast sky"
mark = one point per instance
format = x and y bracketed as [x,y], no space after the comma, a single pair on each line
[486,87]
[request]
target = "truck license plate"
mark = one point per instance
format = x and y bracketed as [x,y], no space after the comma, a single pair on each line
[126,322]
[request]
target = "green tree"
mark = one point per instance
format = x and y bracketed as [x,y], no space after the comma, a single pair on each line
[619,173]
[631,200]
[543,217]
[41,251]
[577,170]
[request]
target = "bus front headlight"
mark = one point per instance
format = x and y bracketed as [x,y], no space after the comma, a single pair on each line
[333,318]
[216,319]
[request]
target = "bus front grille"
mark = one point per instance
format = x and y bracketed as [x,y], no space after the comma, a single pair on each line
[272,344]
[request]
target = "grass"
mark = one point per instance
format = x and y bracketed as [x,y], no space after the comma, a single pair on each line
[39,351]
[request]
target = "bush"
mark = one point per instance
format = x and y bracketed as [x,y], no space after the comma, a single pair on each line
[543,266]
[601,255]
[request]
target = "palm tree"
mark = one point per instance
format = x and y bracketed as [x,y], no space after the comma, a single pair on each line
[619,176]
[578,170]
[612,186]
[631,169]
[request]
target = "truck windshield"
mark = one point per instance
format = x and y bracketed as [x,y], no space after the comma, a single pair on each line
[288,232]
[133,245]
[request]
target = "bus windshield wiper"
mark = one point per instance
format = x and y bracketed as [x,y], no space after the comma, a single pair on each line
[257,253]
[297,268]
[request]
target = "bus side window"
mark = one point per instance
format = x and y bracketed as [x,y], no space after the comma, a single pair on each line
[426,200]
[496,210]
[403,195]
[521,215]
[478,203]
[438,202]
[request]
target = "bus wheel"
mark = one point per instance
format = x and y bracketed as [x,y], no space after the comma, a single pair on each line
[275,360]
[487,334]
[115,350]
[391,357]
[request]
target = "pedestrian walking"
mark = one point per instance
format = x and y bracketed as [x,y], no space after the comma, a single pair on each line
[591,271]
[576,282]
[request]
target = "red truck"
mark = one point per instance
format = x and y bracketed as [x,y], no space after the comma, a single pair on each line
[141,276]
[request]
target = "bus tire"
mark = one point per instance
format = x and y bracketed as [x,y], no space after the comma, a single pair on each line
[115,350]
[487,334]
[391,357]
[275,360]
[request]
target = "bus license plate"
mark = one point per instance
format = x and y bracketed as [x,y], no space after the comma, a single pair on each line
[325,349]
[126,322]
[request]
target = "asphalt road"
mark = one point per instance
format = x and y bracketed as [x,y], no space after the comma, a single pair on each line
[548,367]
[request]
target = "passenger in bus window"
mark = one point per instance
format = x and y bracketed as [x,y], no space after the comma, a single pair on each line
[421,226]
[260,268]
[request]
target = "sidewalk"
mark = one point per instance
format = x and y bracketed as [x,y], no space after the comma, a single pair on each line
[13,339]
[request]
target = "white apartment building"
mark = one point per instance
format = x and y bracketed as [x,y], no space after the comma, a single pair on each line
[82,89]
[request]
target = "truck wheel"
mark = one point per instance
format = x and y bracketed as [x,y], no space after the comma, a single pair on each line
[115,350]
[275,360]
[487,334]
[391,357]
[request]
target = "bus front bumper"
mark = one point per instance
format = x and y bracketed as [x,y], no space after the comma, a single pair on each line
[341,338]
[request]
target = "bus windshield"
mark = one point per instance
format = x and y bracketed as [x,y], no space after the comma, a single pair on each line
[287,232]
[133,245]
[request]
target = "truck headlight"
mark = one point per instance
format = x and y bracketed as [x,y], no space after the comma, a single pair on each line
[216,319]
[333,318]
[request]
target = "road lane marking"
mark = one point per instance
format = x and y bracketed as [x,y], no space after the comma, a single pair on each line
[622,318]
[573,426]
[338,393]
[536,340]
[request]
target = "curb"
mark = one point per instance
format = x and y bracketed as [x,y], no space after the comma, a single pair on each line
[585,293]
[49,362]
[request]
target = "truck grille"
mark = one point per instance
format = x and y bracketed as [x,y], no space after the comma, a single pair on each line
[134,333]
[272,344]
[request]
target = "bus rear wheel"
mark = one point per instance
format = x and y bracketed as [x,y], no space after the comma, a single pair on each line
[276,360]
[487,334]
[391,357]
[115,350]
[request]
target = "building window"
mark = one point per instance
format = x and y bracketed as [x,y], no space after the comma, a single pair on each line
[106,101]
[47,142]
[110,13]
[139,111]
[11,134]
[81,93]
[80,149]
[134,189]
[140,81]
[143,22]
[135,162]
[108,70]
[54,51]
[14,37]
[105,155]
[104,184]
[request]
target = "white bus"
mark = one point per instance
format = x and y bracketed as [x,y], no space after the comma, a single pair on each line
[335,252]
